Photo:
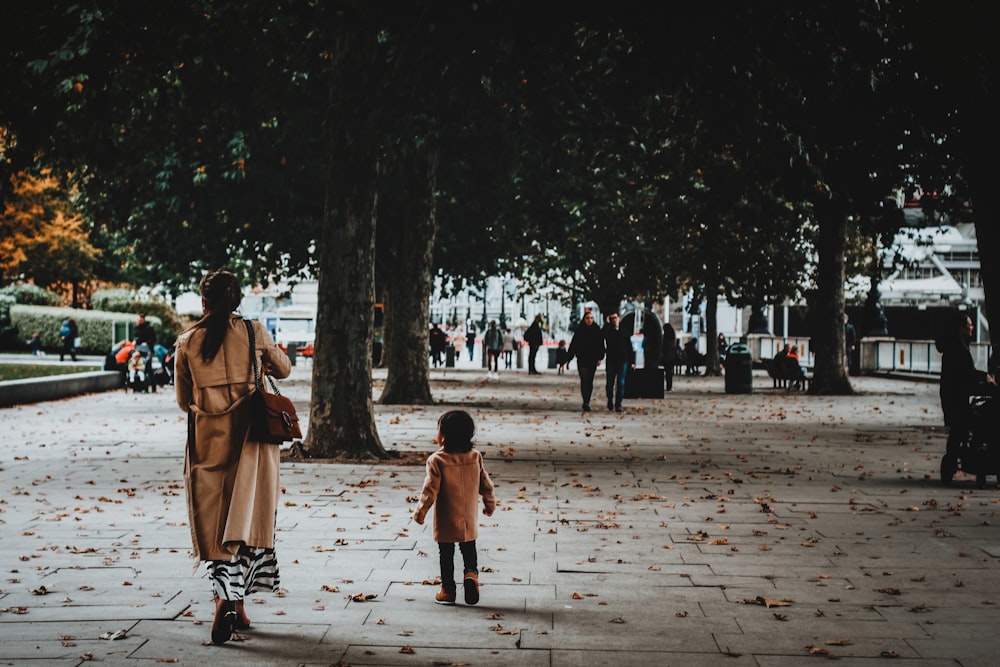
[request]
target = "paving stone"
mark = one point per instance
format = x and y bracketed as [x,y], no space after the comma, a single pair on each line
[575,565]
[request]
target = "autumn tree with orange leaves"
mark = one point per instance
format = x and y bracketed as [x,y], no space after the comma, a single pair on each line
[43,239]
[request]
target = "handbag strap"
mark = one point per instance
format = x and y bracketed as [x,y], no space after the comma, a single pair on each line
[253,361]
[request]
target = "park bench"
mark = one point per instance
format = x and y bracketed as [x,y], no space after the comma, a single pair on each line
[786,372]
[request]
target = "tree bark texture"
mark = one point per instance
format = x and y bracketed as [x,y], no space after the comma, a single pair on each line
[830,371]
[981,145]
[341,419]
[408,283]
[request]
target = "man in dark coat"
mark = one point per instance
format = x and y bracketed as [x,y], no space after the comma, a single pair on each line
[144,332]
[669,354]
[588,348]
[618,349]
[438,343]
[850,345]
[533,336]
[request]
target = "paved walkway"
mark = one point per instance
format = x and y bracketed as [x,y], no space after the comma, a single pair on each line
[762,528]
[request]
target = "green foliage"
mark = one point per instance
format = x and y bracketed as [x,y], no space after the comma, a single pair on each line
[97,328]
[8,334]
[31,295]
[127,301]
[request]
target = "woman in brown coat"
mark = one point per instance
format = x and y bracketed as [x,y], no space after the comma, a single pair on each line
[232,482]
[456,477]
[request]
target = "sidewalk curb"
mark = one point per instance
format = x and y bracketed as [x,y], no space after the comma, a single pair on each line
[34,390]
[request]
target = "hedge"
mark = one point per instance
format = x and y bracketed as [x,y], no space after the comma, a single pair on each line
[96,327]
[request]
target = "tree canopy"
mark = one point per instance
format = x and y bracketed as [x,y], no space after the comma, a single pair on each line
[623,151]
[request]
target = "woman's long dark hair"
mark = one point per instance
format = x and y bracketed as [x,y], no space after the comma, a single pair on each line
[221,291]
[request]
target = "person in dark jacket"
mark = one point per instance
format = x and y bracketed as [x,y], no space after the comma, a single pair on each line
[588,348]
[68,334]
[144,332]
[669,356]
[618,349]
[533,337]
[959,378]
[438,343]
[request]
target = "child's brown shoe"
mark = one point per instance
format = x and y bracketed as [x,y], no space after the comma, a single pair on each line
[471,585]
[444,597]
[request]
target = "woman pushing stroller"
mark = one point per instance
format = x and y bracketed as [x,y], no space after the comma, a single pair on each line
[959,381]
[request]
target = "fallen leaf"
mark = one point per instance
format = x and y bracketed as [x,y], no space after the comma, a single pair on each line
[843,641]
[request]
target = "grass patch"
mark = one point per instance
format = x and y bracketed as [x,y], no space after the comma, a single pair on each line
[25,371]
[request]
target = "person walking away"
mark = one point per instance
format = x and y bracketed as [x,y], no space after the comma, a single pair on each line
[470,341]
[618,349]
[959,378]
[587,347]
[456,478]
[231,481]
[562,354]
[438,341]
[494,345]
[508,349]
[669,354]
[533,337]
[458,341]
[68,333]
[850,345]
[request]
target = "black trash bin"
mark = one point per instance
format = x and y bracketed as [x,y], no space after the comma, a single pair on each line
[739,369]
[293,351]
[449,355]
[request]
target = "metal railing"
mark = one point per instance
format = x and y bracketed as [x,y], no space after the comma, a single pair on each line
[878,355]
[912,356]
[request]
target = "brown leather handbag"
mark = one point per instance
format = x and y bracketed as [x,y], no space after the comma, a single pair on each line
[272,416]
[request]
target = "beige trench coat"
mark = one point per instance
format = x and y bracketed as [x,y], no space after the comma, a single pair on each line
[454,483]
[232,482]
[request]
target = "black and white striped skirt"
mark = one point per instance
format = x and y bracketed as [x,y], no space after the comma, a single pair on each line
[251,570]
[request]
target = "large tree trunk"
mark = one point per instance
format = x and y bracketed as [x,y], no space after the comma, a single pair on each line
[712,366]
[981,146]
[408,282]
[828,311]
[341,418]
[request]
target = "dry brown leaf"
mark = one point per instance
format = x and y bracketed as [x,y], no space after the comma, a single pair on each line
[843,641]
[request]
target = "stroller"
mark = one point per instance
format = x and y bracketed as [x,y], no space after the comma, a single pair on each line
[979,453]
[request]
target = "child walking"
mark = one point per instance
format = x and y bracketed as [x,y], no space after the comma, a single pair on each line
[562,357]
[456,477]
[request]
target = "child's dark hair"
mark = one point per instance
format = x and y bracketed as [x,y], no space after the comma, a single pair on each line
[457,429]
